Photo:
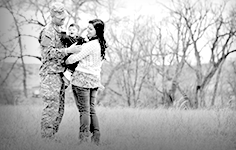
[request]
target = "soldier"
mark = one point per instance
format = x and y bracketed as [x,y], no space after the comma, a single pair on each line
[51,71]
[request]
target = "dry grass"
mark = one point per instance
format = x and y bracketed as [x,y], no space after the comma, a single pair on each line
[123,129]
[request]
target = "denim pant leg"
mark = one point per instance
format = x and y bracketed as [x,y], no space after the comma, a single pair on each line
[94,126]
[81,96]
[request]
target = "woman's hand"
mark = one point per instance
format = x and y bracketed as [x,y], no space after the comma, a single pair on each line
[67,60]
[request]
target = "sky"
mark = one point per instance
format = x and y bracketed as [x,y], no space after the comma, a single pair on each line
[130,8]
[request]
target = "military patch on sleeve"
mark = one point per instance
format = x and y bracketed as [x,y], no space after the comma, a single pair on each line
[46,41]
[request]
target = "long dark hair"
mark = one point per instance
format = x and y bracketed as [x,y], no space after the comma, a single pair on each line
[99,27]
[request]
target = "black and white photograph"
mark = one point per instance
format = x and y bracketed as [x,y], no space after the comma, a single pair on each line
[118,75]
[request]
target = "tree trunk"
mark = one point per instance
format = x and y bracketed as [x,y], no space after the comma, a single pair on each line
[195,101]
[21,56]
[104,92]
[216,85]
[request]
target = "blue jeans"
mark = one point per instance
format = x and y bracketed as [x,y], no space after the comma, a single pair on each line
[85,101]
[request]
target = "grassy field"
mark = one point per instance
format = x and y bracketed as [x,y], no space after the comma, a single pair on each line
[123,129]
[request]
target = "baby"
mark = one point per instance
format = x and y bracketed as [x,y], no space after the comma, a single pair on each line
[67,40]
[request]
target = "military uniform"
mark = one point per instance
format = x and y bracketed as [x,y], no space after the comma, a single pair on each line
[52,85]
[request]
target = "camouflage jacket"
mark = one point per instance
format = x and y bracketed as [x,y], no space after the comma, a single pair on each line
[51,50]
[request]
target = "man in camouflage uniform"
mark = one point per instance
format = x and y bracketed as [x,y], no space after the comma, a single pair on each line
[52,84]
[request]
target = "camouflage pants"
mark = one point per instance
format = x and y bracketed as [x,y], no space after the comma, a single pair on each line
[53,94]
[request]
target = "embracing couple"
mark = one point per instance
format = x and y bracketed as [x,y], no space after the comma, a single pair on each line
[87,58]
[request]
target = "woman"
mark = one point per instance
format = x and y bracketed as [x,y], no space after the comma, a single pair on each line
[86,79]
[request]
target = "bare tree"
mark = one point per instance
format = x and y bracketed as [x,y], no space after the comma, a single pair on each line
[9,5]
[201,21]
[128,56]
[175,46]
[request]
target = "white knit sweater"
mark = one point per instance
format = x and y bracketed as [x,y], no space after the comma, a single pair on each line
[89,57]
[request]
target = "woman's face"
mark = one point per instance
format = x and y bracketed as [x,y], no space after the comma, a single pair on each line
[91,31]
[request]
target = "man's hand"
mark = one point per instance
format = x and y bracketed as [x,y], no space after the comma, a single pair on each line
[73,48]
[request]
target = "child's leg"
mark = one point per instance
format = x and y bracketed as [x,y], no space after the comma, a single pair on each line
[67,77]
[68,74]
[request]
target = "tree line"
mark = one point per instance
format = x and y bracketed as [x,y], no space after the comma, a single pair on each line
[150,62]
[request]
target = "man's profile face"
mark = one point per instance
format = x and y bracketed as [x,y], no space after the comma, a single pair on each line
[59,18]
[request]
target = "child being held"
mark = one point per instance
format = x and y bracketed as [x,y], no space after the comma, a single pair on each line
[67,41]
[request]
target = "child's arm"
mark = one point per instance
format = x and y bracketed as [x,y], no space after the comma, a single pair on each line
[80,40]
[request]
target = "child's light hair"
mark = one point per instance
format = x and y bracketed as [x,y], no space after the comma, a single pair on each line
[74,25]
